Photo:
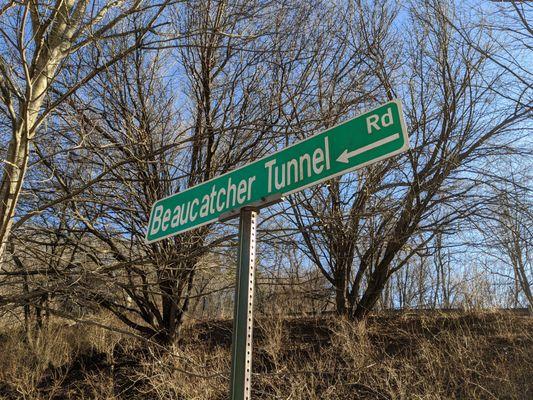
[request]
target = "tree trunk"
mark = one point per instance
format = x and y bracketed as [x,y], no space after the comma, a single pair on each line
[15,168]
[341,289]
[377,282]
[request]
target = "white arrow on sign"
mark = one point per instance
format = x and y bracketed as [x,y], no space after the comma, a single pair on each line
[345,156]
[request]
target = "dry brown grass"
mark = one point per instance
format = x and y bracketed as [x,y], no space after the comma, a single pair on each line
[37,365]
[404,356]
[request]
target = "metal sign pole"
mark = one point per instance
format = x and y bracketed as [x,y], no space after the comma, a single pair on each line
[241,348]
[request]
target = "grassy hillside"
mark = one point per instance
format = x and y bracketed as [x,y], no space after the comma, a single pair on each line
[408,355]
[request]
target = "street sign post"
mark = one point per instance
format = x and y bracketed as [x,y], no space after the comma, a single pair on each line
[363,140]
[241,344]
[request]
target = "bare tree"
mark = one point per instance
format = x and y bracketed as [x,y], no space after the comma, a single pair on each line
[360,231]
[506,234]
[443,286]
[40,68]
[143,140]
[133,115]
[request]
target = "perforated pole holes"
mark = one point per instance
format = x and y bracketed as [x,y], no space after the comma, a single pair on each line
[241,366]
[249,328]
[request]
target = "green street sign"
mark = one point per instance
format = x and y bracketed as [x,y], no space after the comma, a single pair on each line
[363,140]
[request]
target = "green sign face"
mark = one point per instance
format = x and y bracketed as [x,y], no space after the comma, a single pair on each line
[363,140]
